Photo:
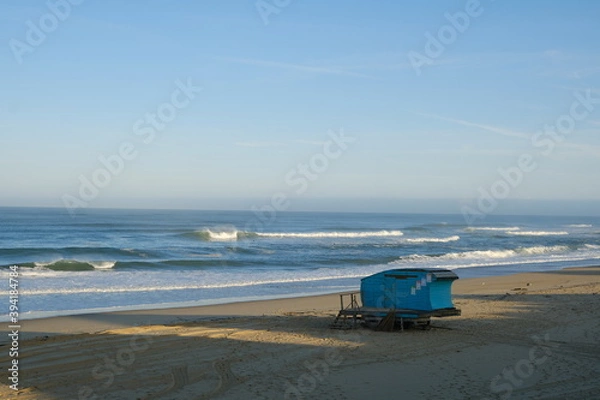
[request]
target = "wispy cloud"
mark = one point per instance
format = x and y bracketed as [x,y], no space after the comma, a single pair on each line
[489,128]
[584,73]
[295,67]
[530,106]
[372,65]
[383,62]
[553,63]
[311,142]
[259,144]
[578,88]
[578,148]
[469,151]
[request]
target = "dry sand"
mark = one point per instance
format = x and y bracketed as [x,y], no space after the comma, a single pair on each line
[526,336]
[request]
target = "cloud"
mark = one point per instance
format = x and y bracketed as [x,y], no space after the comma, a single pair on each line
[590,149]
[578,88]
[579,148]
[584,73]
[295,67]
[259,144]
[311,142]
[564,64]
[489,128]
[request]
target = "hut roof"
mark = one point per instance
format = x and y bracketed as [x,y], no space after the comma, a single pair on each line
[436,272]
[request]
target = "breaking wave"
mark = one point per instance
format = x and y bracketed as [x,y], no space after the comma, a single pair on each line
[490,254]
[234,235]
[538,233]
[492,229]
[221,235]
[73,265]
[319,235]
[434,240]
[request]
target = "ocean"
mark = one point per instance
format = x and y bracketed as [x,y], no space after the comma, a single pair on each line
[108,260]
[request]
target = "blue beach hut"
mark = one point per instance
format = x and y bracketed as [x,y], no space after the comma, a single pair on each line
[399,297]
[427,290]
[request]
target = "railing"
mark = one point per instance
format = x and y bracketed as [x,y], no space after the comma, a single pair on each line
[353,304]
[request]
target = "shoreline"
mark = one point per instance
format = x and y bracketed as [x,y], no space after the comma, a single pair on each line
[484,271]
[99,321]
[463,273]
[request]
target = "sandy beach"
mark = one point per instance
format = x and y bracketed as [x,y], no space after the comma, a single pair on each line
[532,335]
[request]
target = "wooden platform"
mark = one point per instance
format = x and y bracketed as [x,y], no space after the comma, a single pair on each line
[352,315]
[360,311]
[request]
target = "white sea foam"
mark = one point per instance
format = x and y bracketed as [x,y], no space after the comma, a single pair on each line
[74,264]
[580,226]
[434,240]
[535,250]
[233,235]
[319,235]
[167,288]
[493,229]
[103,264]
[489,254]
[222,236]
[44,264]
[538,233]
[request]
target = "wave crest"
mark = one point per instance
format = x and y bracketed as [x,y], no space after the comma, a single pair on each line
[232,234]
[493,229]
[434,240]
[220,234]
[319,235]
[228,235]
[538,233]
[75,265]
[488,254]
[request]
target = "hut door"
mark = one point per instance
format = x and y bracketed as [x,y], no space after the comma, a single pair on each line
[389,300]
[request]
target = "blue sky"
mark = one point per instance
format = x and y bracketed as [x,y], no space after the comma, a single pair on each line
[274,93]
